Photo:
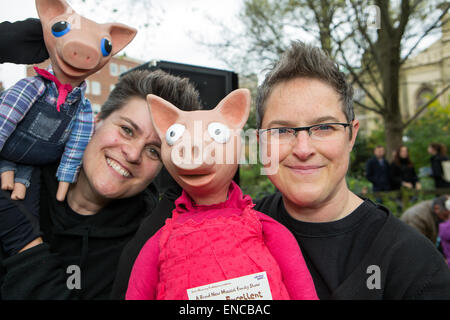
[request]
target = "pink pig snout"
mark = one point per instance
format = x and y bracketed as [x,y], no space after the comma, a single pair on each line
[80,55]
[195,157]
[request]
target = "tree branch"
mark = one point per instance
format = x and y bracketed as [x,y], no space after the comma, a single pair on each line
[424,34]
[364,106]
[423,107]
[363,32]
[356,77]
[405,13]
[385,17]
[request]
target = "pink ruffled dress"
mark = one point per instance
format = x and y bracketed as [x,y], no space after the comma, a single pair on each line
[206,244]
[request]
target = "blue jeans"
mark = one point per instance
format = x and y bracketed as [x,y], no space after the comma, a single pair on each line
[22,173]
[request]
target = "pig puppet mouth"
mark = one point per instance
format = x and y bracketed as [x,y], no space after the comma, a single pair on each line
[69,69]
[196,179]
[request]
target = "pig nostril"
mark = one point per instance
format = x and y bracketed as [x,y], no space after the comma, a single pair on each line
[181,152]
[195,152]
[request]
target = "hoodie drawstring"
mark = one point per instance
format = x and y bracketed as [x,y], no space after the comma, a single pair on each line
[83,259]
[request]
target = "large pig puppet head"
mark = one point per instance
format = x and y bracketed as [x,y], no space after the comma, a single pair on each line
[201,149]
[78,47]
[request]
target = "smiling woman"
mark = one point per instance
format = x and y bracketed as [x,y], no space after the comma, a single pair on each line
[106,205]
[343,237]
[123,155]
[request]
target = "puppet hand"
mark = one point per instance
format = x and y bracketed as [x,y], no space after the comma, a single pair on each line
[63,187]
[19,191]
[7,180]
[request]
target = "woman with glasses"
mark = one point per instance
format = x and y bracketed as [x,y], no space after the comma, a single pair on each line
[354,248]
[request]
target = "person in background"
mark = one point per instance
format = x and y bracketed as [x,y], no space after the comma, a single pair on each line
[438,154]
[403,173]
[377,170]
[426,216]
[444,234]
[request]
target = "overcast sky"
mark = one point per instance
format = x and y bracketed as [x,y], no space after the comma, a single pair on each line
[168,36]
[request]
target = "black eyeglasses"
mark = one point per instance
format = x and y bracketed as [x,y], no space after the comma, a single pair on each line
[322,132]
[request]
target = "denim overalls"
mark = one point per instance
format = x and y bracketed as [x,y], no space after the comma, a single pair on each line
[40,137]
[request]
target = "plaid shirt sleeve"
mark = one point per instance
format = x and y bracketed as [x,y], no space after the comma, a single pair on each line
[16,102]
[80,135]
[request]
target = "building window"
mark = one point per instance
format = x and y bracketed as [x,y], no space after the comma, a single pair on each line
[96,88]
[424,94]
[123,69]
[113,69]
[111,87]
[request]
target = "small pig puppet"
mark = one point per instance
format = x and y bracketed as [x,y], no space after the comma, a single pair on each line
[214,233]
[46,118]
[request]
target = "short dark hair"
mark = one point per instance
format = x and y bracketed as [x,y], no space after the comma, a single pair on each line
[440,201]
[139,83]
[440,148]
[301,60]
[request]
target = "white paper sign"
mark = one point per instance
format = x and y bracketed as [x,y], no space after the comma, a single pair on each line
[251,287]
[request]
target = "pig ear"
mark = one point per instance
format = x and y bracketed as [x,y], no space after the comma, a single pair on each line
[163,113]
[235,108]
[49,9]
[121,36]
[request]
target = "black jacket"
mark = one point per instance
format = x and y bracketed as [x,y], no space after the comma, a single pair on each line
[22,42]
[437,172]
[402,172]
[378,174]
[91,243]
[343,255]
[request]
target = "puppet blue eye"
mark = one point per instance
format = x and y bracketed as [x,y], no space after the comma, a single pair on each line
[219,132]
[60,28]
[106,47]
[174,133]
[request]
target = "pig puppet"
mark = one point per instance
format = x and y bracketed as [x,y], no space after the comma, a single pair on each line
[214,234]
[46,118]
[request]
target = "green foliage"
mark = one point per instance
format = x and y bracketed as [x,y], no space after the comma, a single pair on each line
[359,156]
[253,183]
[399,201]
[432,126]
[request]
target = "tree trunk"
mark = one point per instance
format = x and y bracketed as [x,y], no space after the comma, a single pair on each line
[388,47]
[392,116]
[393,133]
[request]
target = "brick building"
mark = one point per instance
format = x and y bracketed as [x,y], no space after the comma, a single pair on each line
[100,84]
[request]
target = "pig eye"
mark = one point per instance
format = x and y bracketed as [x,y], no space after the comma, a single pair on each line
[174,133]
[60,28]
[106,47]
[219,132]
